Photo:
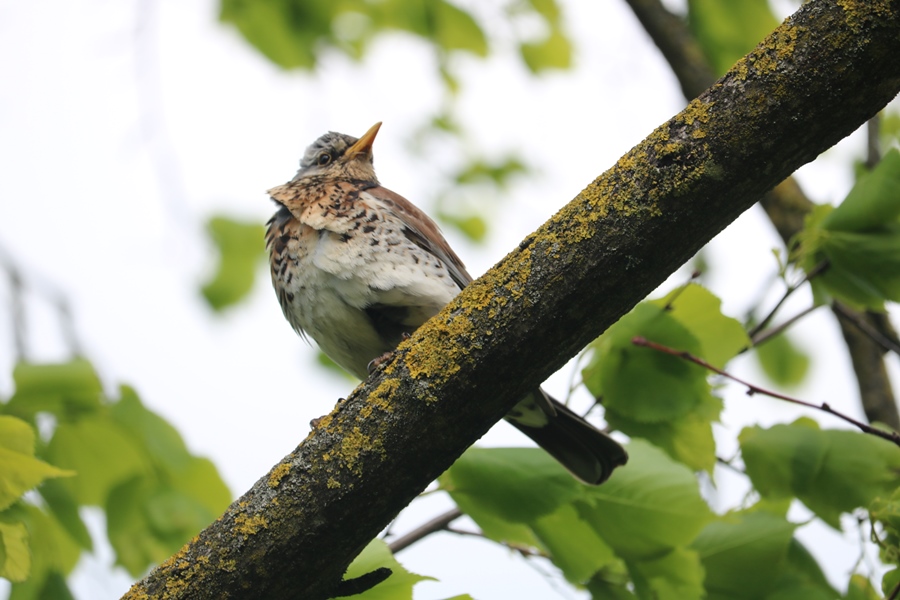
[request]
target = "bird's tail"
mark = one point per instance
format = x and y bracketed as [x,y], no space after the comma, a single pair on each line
[588,453]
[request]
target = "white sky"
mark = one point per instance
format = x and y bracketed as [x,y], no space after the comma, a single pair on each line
[123,125]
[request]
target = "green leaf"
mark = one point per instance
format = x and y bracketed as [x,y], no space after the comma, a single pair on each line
[801,577]
[782,361]
[688,439]
[890,126]
[502,481]
[577,550]
[150,515]
[472,225]
[494,527]
[131,527]
[886,510]
[411,16]
[285,32]
[743,554]
[15,556]
[860,588]
[162,442]
[51,548]
[677,575]
[499,173]
[649,508]
[605,590]
[55,588]
[873,202]
[864,268]
[700,311]
[890,581]
[64,508]
[455,29]
[241,249]
[727,31]
[62,389]
[19,469]
[101,453]
[642,384]
[860,240]
[662,398]
[554,52]
[831,471]
[200,481]
[548,9]
[398,586]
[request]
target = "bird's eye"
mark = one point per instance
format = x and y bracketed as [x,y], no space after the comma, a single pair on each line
[323,159]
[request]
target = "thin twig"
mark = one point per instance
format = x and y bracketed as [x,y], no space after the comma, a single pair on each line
[764,336]
[439,523]
[16,306]
[891,436]
[876,336]
[680,289]
[46,290]
[817,270]
[727,464]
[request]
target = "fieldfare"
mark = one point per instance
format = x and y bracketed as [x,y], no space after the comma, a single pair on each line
[357,267]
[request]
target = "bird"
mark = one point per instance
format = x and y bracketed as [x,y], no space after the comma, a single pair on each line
[358,268]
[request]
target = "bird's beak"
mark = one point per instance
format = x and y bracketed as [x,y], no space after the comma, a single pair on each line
[363,145]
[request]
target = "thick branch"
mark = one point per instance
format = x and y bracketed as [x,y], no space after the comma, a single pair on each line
[786,205]
[812,82]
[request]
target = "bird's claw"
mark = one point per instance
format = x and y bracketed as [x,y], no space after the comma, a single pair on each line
[377,362]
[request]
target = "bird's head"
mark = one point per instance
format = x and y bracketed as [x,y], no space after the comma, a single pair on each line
[339,156]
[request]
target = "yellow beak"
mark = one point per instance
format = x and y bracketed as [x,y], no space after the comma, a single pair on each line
[364,144]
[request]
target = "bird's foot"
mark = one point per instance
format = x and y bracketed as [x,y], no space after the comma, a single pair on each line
[377,362]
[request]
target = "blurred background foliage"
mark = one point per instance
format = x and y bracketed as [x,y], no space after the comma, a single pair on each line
[67,444]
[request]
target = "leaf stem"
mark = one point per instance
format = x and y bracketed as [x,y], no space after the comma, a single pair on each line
[817,270]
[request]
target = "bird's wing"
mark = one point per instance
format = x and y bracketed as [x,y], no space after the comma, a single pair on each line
[423,232]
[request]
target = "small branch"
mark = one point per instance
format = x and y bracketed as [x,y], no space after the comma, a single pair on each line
[671,35]
[817,270]
[680,289]
[16,305]
[753,389]
[26,280]
[889,345]
[439,523]
[727,464]
[764,336]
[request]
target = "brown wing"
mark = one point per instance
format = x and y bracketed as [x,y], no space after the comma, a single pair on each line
[282,229]
[423,232]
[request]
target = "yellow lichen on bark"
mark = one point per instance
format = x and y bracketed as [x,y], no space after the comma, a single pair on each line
[247,525]
[858,12]
[276,475]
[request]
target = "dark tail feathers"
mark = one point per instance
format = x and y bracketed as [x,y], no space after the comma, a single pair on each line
[588,453]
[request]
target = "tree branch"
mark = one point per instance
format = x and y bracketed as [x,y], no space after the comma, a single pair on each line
[890,436]
[813,81]
[436,524]
[786,205]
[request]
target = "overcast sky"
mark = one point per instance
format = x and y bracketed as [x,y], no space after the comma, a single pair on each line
[123,125]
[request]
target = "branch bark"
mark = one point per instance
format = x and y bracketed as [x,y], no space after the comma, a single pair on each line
[786,206]
[814,80]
